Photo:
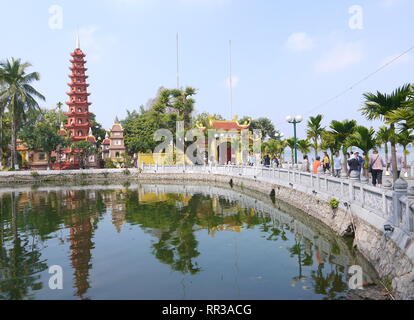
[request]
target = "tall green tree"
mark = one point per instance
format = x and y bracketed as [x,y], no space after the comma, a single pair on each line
[314,131]
[290,143]
[341,130]
[44,137]
[265,125]
[18,95]
[85,149]
[329,142]
[364,139]
[404,116]
[383,139]
[2,110]
[380,106]
[405,138]
[304,147]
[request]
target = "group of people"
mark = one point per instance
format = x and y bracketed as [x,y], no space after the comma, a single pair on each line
[273,162]
[376,165]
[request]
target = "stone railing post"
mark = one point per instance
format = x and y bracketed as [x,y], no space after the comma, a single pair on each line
[353,178]
[387,187]
[400,190]
[409,219]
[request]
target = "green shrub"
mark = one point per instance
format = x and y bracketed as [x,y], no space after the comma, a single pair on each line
[109,164]
[35,174]
[334,203]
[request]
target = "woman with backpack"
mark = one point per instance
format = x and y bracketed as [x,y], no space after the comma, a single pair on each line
[376,167]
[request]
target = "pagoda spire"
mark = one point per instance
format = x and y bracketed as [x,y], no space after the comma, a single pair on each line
[77,40]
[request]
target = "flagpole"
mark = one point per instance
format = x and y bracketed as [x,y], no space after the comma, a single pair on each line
[231,80]
[178,63]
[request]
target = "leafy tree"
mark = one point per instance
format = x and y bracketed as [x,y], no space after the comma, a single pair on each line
[341,130]
[18,95]
[85,149]
[314,131]
[383,138]
[382,106]
[275,147]
[405,138]
[304,146]
[265,125]
[364,139]
[203,118]
[44,137]
[291,144]
[404,115]
[2,110]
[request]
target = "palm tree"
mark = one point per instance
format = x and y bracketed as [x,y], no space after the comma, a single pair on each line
[405,115]
[330,143]
[383,138]
[404,139]
[314,131]
[364,139]
[18,95]
[304,147]
[341,130]
[380,106]
[291,144]
[2,108]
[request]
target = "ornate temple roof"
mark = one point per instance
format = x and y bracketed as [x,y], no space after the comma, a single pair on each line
[232,125]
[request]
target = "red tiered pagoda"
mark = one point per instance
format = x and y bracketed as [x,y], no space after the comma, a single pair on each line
[78,126]
[78,115]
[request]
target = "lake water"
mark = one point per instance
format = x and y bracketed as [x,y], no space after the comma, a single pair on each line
[166,242]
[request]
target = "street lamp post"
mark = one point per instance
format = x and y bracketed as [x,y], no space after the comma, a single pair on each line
[295,121]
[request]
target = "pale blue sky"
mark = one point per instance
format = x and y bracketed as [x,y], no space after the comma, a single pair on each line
[130,47]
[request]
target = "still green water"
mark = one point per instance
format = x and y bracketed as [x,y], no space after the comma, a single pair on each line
[166,242]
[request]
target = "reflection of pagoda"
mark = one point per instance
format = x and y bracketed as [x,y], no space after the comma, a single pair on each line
[81,245]
[79,126]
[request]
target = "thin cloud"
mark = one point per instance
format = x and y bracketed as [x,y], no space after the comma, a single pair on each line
[300,41]
[340,57]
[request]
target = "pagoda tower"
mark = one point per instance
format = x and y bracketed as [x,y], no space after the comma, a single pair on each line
[78,127]
[78,115]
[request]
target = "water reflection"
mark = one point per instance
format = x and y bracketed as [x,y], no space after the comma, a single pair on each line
[187,227]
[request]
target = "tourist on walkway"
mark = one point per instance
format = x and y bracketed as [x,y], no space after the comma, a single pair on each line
[376,165]
[275,162]
[326,163]
[400,163]
[316,165]
[266,161]
[337,165]
[354,165]
[361,162]
[305,164]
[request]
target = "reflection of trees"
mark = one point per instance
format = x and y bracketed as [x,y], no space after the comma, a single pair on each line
[329,285]
[175,226]
[20,263]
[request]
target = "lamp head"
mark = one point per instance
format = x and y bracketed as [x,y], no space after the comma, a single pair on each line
[299,118]
[289,119]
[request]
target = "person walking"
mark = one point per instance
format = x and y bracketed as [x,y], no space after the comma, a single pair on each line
[326,163]
[337,164]
[400,163]
[376,166]
[266,161]
[305,164]
[354,165]
[316,165]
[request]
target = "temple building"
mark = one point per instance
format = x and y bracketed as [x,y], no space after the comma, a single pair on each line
[79,127]
[113,146]
[225,148]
